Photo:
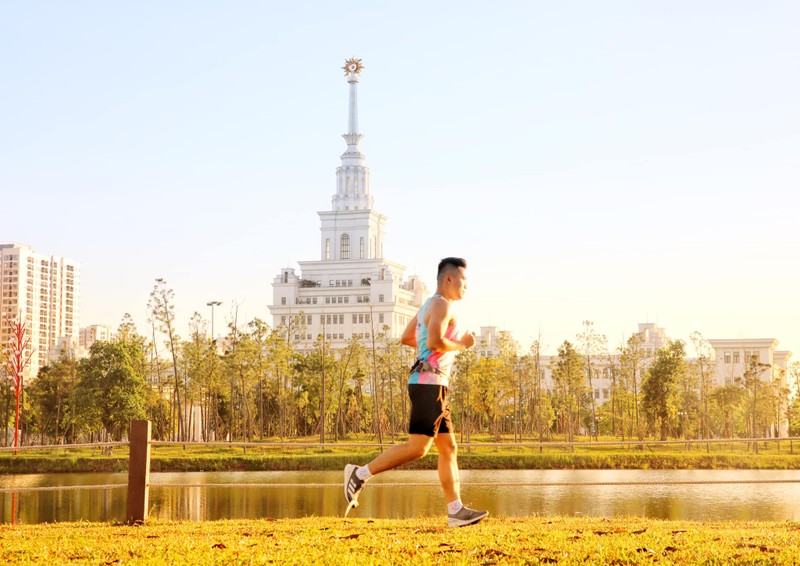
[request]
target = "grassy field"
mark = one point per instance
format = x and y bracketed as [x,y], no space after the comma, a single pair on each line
[315,540]
[255,457]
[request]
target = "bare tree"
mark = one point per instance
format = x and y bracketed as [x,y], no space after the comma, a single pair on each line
[704,368]
[592,345]
[162,310]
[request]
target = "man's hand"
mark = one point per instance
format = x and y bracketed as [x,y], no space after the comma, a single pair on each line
[467,340]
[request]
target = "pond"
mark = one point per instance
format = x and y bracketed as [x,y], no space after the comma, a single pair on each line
[400,493]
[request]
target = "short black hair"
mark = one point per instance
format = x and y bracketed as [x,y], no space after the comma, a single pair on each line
[450,262]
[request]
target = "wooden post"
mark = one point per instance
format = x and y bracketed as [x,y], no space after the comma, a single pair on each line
[138,472]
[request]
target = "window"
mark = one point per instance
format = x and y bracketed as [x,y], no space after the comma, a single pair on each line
[327,248]
[361,319]
[361,248]
[727,357]
[309,320]
[344,248]
[327,300]
[596,393]
[283,300]
[347,299]
[736,357]
[380,318]
[283,320]
[355,318]
[605,393]
[380,298]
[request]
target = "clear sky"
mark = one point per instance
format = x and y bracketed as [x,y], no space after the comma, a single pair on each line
[620,162]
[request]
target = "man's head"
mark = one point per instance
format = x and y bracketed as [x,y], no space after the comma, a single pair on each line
[451,279]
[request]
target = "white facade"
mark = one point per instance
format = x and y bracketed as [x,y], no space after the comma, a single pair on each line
[487,341]
[651,339]
[44,291]
[731,357]
[733,354]
[78,348]
[88,335]
[352,290]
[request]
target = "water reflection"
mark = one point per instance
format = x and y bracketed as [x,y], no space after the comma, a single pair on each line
[694,502]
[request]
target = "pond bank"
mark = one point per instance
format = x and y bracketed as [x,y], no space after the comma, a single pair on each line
[176,460]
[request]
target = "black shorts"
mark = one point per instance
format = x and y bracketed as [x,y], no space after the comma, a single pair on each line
[427,408]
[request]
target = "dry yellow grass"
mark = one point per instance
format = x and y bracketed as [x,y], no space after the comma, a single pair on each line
[315,540]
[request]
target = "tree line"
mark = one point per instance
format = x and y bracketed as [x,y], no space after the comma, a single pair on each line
[258,383]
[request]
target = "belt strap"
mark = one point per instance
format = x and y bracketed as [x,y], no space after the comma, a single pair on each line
[422,365]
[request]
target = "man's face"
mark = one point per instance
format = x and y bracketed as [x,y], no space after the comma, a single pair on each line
[457,283]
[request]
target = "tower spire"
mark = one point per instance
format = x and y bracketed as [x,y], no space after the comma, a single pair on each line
[352,176]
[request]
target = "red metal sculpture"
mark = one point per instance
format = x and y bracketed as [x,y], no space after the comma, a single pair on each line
[16,362]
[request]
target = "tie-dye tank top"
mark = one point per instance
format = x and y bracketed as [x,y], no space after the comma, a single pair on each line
[441,361]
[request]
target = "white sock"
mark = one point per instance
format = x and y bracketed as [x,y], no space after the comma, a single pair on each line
[363,473]
[454,507]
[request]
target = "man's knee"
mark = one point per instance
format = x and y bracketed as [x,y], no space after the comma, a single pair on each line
[422,451]
[419,447]
[447,445]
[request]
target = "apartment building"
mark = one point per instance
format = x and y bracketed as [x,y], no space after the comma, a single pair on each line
[43,291]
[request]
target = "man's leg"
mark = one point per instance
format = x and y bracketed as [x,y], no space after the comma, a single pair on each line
[355,477]
[448,466]
[416,447]
[457,514]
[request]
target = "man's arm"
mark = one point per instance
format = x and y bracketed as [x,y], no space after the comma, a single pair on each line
[438,320]
[409,337]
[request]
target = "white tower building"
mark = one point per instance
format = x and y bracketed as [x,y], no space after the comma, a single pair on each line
[352,290]
[44,291]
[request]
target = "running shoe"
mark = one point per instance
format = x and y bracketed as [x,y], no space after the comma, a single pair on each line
[464,517]
[352,485]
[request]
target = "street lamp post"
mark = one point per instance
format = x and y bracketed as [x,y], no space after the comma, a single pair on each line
[681,415]
[213,304]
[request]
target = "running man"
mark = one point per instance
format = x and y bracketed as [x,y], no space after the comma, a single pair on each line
[434,334]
